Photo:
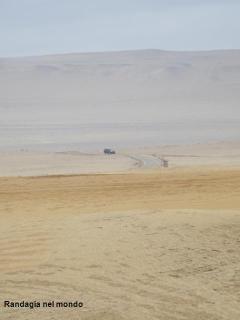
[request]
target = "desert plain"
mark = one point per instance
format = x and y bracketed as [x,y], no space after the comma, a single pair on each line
[143,242]
[128,238]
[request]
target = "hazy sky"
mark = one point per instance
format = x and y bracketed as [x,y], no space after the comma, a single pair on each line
[29,27]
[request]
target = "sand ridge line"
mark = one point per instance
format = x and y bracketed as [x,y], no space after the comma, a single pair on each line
[148,190]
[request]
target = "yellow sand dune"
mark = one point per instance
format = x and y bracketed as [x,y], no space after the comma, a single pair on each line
[143,245]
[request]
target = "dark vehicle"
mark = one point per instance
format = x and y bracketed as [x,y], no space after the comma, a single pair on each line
[164,163]
[109,151]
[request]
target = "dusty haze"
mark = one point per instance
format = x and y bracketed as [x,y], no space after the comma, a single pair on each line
[146,97]
[131,239]
[138,86]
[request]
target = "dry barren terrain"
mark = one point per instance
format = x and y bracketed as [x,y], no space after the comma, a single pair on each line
[128,238]
[145,245]
[120,87]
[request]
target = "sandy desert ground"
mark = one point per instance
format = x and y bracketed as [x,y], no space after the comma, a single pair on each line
[131,240]
[118,87]
[35,163]
[144,244]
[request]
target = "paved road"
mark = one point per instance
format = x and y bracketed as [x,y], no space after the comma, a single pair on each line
[146,160]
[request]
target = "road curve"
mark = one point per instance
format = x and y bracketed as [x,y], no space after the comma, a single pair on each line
[146,161]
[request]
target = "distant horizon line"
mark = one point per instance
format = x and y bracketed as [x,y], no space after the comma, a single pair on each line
[114,51]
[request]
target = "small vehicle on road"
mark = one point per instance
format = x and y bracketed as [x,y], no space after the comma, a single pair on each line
[109,151]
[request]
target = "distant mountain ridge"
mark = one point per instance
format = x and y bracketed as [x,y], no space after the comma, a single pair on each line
[137,86]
